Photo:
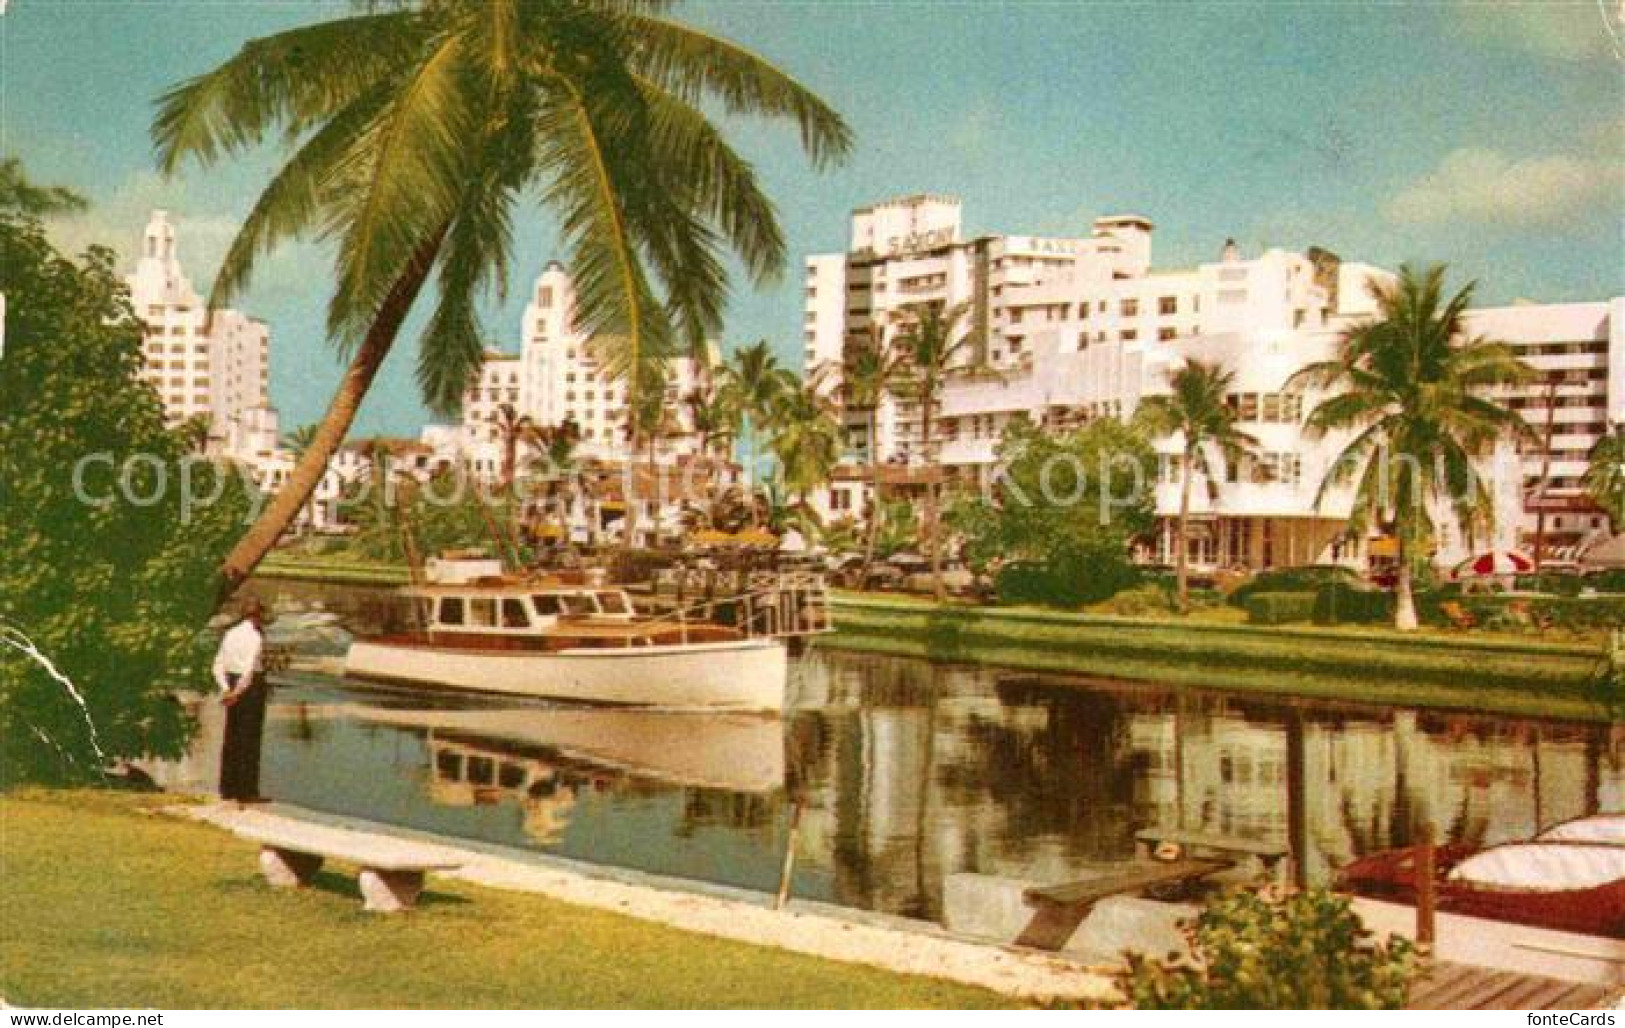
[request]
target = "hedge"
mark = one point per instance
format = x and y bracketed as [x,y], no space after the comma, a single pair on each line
[1280,608]
[1342,604]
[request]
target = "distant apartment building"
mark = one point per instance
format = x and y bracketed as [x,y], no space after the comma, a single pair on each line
[1578,349]
[217,370]
[1068,330]
[556,377]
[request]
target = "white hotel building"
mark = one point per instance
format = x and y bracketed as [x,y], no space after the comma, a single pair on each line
[556,378]
[1083,327]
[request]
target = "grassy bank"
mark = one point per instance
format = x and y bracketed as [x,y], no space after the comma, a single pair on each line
[1358,664]
[327,569]
[108,904]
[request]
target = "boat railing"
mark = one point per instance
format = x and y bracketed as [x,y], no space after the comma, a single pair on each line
[775,605]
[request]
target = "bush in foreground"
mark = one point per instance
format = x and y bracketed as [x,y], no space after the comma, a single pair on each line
[1306,950]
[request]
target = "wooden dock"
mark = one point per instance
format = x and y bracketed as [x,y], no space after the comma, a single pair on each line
[1451,986]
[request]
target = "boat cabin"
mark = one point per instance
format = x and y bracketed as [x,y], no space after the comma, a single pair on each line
[544,615]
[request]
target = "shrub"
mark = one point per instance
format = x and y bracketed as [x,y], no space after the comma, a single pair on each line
[1145,598]
[1071,578]
[1341,604]
[1610,581]
[1305,579]
[1549,582]
[1307,950]
[1280,608]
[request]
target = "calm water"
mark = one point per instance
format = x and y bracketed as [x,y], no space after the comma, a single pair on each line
[908,771]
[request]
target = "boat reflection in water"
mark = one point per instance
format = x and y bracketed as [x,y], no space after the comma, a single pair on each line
[542,760]
[909,772]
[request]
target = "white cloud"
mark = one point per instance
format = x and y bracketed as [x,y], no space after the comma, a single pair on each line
[1489,187]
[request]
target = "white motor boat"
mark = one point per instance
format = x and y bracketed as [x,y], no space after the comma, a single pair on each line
[549,639]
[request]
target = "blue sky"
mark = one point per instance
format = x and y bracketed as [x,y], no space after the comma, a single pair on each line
[1489,135]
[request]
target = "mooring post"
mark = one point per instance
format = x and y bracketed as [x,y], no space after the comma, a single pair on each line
[1426,896]
[789,856]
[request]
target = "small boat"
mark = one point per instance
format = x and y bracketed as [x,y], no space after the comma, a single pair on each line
[552,639]
[1569,878]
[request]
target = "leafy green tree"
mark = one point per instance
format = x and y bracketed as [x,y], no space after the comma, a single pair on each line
[22,197]
[512,429]
[1064,509]
[1304,951]
[1414,388]
[930,344]
[298,441]
[419,126]
[111,586]
[1197,412]
[1605,476]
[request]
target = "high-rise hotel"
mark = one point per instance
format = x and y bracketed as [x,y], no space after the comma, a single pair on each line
[1074,328]
[220,370]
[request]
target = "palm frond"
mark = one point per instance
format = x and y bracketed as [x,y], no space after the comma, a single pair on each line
[289,81]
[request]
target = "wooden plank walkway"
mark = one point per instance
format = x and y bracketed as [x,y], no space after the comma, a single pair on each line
[1464,987]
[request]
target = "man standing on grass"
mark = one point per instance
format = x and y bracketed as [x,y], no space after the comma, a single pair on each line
[241,679]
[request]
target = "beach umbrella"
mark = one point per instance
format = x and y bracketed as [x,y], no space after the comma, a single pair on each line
[1494,564]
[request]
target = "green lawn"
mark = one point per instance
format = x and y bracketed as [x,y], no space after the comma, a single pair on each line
[105,903]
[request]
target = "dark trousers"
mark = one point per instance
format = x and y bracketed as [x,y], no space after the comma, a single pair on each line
[240,756]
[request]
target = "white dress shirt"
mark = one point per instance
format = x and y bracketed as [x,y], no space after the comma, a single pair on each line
[239,655]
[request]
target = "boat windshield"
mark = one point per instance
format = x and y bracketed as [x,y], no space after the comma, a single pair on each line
[577,603]
[613,603]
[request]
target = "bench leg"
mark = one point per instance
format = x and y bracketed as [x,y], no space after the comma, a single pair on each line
[287,869]
[390,891]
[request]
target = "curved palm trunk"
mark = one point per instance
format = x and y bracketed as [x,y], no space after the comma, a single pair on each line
[1182,557]
[1404,596]
[335,424]
[871,526]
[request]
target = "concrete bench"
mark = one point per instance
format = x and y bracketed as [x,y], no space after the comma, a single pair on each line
[1060,909]
[392,870]
[1269,855]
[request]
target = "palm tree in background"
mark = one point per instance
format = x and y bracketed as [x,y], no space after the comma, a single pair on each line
[751,384]
[1197,411]
[929,344]
[555,458]
[1605,476]
[1412,386]
[513,429]
[806,439]
[868,369]
[712,419]
[194,433]
[416,128]
[298,442]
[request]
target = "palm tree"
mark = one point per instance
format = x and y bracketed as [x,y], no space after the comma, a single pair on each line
[868,370]
[1605,476]
[929,344]
[419,126]
[555,447]
[1412,387]
[806,439]
[750,384]
[712,419]
[512,429]
[298,441]
[1196,411]
[194,433]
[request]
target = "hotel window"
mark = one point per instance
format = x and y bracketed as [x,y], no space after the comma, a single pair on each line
[1165,334]
[1128,335]
[1168,305]
[1131,308]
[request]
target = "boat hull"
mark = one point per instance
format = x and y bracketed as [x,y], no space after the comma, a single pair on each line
[747,674]
[1391,874]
